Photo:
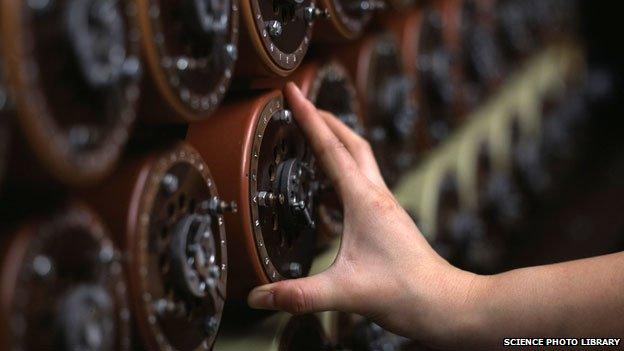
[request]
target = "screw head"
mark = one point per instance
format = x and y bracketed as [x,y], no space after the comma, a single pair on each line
[170,183]
[215,272]
[42,265]
[294,269]
[274,28]
[132,67]
[232,51]
[81,137]
[284,116]
[266,198]
[106,255]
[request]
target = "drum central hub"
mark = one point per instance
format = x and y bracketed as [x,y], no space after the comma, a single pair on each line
[193,253]
[87,319]
[295,187]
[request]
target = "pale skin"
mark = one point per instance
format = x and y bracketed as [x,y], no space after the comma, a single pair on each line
[386,270]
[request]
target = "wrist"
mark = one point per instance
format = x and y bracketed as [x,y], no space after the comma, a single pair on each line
[453,318]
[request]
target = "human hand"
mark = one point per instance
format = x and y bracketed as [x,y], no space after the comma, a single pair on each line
[385,269]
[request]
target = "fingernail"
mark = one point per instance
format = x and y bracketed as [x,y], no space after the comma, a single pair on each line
[261,298]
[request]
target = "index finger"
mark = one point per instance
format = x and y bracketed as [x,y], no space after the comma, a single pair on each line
[337,163]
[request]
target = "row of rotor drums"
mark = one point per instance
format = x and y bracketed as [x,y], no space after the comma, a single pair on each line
[128,176]
[76,74]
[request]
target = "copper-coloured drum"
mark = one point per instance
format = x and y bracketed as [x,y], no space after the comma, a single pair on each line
[387,102]
[62,286]
[276,36]
[260,158]
[190,48]
[330,88]
[409,29]
[347,19]
[72,67]
[166,213]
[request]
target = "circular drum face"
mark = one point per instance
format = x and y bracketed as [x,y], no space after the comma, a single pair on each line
[178,247]
[62,287]
[391,116]
[74,71]
[351,16]
[283,189]
[333,91]
[191,48]
[281,29]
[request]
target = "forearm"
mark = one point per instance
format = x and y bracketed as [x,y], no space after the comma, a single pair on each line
[571,299]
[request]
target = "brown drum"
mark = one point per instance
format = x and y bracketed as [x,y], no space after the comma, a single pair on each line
[387,101]
[347,19]
[73,69]
[62,286]
[166,213]
[260,158]
[330,88]
[408,28]
[276,36]
[190,48]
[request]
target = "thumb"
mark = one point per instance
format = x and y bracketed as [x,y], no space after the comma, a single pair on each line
[311,294]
